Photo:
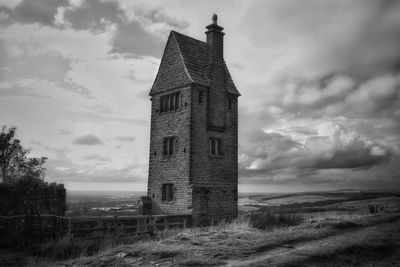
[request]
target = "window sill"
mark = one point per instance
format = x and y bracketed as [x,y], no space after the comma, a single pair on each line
[215,156]
[170,112]
[168,156]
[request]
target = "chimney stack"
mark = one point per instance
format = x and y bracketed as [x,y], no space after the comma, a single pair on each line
[215,42]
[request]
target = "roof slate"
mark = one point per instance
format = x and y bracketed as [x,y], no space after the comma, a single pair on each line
[194,54]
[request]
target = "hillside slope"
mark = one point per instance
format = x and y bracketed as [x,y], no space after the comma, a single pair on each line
[372,240]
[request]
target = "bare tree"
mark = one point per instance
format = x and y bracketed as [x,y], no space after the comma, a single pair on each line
[13,158]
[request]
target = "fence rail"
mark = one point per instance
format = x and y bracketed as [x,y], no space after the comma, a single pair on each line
[41,228]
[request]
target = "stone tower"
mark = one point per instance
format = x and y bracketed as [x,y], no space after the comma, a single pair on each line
[193,165]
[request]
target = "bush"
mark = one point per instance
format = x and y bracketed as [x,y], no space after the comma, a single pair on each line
[269,220]
[373,209]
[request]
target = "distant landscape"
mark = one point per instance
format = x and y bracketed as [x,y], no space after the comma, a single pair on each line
[100,203]
[118,203]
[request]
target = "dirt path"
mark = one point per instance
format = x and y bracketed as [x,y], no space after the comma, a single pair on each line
[374,246]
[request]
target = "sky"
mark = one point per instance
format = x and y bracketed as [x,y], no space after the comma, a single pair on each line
[320,85]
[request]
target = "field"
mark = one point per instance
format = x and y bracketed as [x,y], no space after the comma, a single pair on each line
[350,228]
[100,203]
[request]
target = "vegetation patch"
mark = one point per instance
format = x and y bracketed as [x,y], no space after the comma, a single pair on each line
[203,261]
[267,220]
[373,255]
[162,254]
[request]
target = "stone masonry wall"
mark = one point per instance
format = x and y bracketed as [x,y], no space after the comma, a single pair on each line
[172,73]
[214,178]
[175,168]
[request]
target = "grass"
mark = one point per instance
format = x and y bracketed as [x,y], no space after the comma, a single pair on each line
[219,244]
[224,239]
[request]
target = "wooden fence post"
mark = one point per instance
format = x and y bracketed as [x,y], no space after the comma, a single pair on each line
[138,226]
[69,230]
[165,224]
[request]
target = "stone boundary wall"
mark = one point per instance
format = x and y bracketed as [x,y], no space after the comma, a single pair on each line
[38,229]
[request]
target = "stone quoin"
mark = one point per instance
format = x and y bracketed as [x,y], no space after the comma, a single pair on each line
[193,166]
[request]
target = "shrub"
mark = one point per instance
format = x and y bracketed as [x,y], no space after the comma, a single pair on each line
[269,220]
[373,209]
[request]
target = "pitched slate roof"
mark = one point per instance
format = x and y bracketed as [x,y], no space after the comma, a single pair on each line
[194,55]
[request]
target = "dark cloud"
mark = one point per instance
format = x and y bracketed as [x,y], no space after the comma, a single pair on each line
[38,11]
[94,15]
[274,154]
[88,140]
[132,38]
[158,15]
[338,95]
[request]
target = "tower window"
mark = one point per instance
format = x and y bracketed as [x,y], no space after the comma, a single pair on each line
[201,95]
[229,103]
[169,146]
[167,192]
[169,102]
[215,146]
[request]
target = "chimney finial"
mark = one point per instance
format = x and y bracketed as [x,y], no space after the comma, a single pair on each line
[215,19]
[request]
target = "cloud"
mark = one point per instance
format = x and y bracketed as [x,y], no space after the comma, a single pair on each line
[316,38]
[39,11]
[157,15]
[147,34]
[64,169]
[76,165]
[320,100]
[82,116]
[21,61]
[88,140]
[131,38]
[103,108]
[373,98]
[64,132]
[308,76]
[19,91]
[128,139]
[328,146]
[98,158]
[138,30]
[93,15]
[19,65]
[338,95]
